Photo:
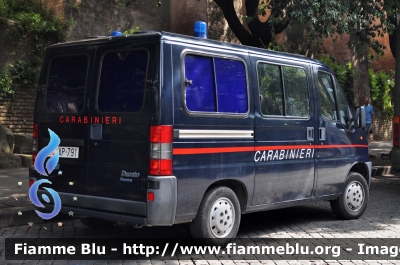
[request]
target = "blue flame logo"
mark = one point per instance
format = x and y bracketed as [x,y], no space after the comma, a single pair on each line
[35,200]
[41,168]
[45,152]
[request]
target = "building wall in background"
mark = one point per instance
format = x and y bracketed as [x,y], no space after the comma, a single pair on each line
[16,113]
[383,129]
[93,17]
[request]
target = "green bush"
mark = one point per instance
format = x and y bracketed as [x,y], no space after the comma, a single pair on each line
[33,21]
[5,83]
[130,31]
[382,85]
[25,74]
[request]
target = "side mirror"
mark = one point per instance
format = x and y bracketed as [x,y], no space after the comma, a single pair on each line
[360,118]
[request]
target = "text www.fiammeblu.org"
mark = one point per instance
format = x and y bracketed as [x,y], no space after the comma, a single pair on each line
[287,250]
[231,249]
[282,250]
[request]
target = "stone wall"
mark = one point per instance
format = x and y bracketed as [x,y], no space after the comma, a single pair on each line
[16,113]
[101,17]
[383,129]
[182,19]
[13,49]
[93,17]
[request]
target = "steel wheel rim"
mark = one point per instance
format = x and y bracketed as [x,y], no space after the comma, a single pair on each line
[222,217]
[355,195]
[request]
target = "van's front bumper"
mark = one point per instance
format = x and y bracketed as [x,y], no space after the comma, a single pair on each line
[159,212]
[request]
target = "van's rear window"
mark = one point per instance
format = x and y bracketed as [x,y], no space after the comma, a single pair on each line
[66,84]
[123,81]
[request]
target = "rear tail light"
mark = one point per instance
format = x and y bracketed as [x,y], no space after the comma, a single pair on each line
[31,181]
[396,133]
[35,142]
[161,150]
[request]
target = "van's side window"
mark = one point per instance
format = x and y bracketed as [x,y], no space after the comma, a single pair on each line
[327,96]
[271,91]
[66,84]
[296,92]
[283,90]
[122,81]
[344,110]
[215,85]
[200,95]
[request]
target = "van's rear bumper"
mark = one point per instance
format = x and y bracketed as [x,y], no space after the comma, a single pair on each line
[159,212]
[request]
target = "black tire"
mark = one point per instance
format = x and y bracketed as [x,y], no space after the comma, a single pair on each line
[354,199]
[96,222]
[215,225]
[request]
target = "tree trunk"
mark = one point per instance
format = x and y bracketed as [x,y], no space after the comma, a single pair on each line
[393,36]
[261,32]
[228,9]
[392,43]
[397,73]
[359,58]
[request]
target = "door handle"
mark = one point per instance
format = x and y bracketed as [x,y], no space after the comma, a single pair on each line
[96,131]
[310,134]
[322,133]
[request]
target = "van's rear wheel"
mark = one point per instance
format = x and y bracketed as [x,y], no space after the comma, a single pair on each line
[96,222]
[353,201]
[218,218]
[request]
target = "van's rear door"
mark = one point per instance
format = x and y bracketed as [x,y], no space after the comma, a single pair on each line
[119,126]
[61,107]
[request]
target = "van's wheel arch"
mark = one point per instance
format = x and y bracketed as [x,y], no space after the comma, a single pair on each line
[354,198]
[218,218]
[97,222]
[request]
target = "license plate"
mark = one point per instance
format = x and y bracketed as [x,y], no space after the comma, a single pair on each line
[67,152]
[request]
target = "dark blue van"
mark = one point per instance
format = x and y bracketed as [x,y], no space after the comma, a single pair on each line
[158,129]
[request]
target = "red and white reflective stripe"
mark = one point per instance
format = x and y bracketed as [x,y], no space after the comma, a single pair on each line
[161,150]
[240,149]
[35,136]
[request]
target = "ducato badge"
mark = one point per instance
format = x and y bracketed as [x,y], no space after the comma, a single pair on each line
[130,174]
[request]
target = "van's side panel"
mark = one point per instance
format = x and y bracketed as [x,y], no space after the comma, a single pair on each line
[214,155]
[284,144]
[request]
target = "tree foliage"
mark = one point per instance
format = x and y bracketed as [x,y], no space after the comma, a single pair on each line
[364,18]
[27,19]
[392,8]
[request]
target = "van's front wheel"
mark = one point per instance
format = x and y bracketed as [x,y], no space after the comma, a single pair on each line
[353,201]
[218,218]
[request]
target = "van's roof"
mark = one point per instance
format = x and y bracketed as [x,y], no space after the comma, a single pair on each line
[96,40]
